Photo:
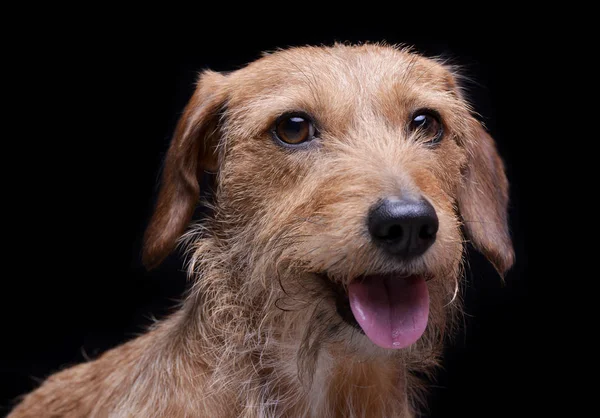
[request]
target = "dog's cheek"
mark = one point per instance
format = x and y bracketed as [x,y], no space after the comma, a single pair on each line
[452,158]
[443,172]
[261,184]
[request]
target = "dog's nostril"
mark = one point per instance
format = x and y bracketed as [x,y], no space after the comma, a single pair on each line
[427,232]
[395,232]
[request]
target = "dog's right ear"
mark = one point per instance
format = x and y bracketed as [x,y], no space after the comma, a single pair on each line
[192,151]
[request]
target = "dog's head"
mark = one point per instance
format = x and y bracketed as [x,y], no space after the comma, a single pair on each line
[356,171]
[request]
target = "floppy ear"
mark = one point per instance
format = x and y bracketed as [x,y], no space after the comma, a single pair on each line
[483,200]
[192,150]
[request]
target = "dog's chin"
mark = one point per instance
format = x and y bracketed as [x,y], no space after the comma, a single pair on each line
[391,310]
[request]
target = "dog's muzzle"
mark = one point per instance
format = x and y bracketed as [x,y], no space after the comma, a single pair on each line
[392,309]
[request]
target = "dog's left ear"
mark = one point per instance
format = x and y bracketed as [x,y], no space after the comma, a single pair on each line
[192,151]
[483,200]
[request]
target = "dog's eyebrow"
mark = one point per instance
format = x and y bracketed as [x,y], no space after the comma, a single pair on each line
[222,112]
[264,113]
[298,111]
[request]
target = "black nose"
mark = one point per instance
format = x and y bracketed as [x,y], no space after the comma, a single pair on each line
[403,227]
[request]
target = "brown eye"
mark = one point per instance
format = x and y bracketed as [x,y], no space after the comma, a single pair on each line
[294,129]
[427,124]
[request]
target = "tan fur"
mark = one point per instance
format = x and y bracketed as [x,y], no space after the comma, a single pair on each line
[258,334]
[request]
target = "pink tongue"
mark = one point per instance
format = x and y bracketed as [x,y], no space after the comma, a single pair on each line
[391,311]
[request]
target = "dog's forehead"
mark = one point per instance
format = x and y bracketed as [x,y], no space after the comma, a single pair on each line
[363,70]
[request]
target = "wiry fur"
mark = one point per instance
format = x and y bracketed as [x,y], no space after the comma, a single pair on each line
[258,334]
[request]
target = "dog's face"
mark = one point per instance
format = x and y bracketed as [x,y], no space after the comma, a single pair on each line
[354,172]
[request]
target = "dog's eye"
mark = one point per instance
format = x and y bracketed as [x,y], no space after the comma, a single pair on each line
[294,129]
[427,123]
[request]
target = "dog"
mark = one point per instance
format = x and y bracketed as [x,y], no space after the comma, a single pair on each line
[346,181]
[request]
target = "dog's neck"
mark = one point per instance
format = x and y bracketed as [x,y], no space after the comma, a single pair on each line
[347,387]
[340,386]
[271,366]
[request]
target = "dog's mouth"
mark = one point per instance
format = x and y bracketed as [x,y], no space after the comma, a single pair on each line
[391,310]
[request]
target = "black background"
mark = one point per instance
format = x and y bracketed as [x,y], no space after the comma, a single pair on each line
[105,107]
